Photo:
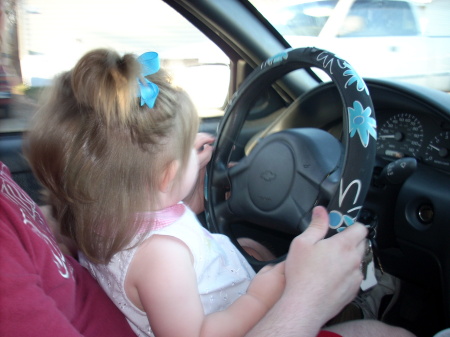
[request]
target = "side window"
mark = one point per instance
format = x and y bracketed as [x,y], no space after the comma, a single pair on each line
[41,38]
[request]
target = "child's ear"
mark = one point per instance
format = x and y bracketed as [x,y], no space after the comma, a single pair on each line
[169,175]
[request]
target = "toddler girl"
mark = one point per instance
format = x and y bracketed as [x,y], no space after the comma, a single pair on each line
[115,146]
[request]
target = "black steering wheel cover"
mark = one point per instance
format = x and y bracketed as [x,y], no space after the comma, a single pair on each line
[358,139]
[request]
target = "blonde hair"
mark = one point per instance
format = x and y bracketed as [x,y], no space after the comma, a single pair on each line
[101,155]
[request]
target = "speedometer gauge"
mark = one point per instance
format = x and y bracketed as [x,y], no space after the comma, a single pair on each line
[400,136]
[437,152]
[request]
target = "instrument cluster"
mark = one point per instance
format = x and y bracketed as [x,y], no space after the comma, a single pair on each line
[404,134]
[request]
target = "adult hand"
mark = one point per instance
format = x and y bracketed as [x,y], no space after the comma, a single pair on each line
[324,274]
[203,145]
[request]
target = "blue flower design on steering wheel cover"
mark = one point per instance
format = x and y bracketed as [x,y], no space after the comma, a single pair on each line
[337,220]
[354,77]
[360,121]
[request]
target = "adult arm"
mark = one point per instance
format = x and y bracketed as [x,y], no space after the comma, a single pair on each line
[322,276]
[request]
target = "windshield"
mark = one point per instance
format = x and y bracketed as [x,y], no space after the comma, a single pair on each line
[391,39]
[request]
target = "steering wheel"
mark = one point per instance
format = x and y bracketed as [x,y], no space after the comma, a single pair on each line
[289,172]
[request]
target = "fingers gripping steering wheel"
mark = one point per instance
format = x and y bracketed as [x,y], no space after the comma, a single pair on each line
[291,171]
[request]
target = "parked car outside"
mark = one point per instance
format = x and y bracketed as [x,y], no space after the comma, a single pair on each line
[404,47]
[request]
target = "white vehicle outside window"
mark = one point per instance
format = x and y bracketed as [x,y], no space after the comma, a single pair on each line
[394,39]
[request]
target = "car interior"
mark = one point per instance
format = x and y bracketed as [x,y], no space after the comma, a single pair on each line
[404,170]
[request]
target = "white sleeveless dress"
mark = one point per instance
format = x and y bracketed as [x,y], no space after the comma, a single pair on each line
[222,272]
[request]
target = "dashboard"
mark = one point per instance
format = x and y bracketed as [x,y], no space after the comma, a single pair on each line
[414,134]
[412,215]
[412,121]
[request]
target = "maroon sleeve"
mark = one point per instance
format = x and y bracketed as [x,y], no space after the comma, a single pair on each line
[42,292]
[324,333]
[25,308]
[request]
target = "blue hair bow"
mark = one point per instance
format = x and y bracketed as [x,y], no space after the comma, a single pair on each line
[148,91]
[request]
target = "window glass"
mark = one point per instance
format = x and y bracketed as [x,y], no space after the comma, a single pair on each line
[41,38]
[362,19]
[393,39]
